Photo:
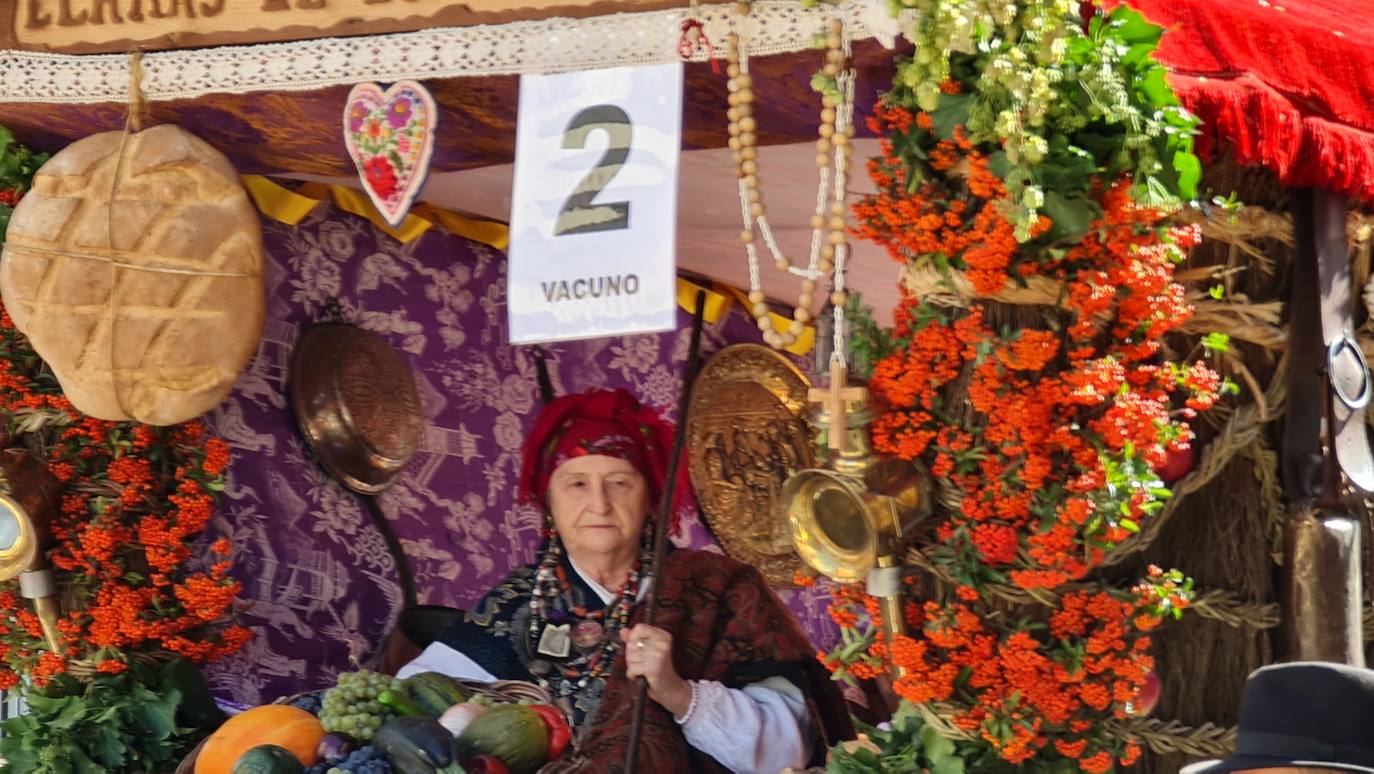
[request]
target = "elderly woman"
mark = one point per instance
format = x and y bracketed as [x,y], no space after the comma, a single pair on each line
[733,681]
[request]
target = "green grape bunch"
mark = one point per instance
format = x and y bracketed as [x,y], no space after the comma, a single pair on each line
[351,706]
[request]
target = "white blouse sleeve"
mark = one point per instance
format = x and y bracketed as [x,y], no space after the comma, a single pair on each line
[763,727]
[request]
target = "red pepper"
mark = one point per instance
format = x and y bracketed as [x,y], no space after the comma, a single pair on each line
[486,764]
[560,734]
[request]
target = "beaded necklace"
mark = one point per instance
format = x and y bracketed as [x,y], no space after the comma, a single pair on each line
[833,149]
[580,648]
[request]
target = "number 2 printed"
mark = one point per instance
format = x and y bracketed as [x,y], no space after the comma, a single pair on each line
[579,214]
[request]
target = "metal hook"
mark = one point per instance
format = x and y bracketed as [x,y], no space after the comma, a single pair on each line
[1344,341]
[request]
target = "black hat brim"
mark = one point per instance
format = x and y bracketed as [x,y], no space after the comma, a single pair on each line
[1245,762]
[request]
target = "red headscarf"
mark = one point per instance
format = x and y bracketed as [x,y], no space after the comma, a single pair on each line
[612,423]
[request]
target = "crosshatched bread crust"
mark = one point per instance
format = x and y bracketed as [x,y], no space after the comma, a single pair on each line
[147,307]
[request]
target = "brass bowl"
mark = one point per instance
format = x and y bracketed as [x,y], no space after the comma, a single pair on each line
[356,404]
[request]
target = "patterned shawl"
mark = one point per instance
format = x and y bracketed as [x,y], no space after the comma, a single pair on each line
[727,625]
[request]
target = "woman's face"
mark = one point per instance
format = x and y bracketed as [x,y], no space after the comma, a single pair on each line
[599,505]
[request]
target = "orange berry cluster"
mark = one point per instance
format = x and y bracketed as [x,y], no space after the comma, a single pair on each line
[135,501]
[1053,449]
[1055,461]
[1025,692]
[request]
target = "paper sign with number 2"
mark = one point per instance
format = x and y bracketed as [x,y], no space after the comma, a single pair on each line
[594,207]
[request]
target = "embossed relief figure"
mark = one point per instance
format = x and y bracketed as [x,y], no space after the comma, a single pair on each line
[731,677]
[745,437]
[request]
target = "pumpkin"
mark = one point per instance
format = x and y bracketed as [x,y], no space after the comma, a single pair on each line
[290,728]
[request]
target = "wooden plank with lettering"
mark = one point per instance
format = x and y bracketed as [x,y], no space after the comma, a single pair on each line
[115,26]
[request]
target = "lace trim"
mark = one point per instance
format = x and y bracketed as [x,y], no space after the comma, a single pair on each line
[547,45]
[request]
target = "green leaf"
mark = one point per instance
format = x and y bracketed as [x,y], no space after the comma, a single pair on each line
[1066,171]
[1189,173]
[1128,525]
[1216,342]
[952,111]
[198,709]
[19,761]
[1129,26]
[106,747]
[1102,143]
[907,717]
[999,165]
[1071,216]
[935,746]
[73,710]
[1138,55]
[82,764]
[158,717]
[1217,292]
[1155,89]
[948,765]
[44,706]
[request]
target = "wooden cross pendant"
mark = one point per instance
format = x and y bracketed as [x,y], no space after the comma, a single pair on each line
[834,398]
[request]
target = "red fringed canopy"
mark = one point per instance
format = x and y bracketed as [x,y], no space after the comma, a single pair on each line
[1288,83]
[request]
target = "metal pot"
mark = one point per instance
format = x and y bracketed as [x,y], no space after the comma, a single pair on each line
[356,403]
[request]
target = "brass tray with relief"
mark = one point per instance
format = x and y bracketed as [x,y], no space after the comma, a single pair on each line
[746,433]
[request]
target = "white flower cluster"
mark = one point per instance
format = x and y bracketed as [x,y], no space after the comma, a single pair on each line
[1041,76]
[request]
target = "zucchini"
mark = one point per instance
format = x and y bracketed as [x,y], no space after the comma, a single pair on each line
[400,704]
[434,693]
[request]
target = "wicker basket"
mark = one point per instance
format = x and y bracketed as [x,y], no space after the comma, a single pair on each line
[505,691]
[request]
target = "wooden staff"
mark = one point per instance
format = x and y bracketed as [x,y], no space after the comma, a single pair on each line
[665,514]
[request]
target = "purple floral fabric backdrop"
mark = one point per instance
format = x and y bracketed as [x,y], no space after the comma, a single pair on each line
[320,588]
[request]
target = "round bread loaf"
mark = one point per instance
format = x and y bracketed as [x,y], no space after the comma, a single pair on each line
[146,307]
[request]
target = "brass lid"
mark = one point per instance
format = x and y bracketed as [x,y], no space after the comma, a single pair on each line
[18,539]
[356,403]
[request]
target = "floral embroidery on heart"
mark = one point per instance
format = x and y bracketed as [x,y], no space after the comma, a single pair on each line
[390,137]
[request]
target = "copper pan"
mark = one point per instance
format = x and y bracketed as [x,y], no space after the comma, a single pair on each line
[356,403]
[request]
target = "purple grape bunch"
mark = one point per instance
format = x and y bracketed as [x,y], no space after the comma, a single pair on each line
[364,760]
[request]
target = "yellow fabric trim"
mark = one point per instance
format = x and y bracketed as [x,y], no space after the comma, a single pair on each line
[278,203]
[804,342]
[801,346]
[716,303]
[290,207]
[316,191]
[356,202]
[488,232]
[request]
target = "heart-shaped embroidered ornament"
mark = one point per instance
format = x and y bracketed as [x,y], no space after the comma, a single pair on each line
[390,136]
